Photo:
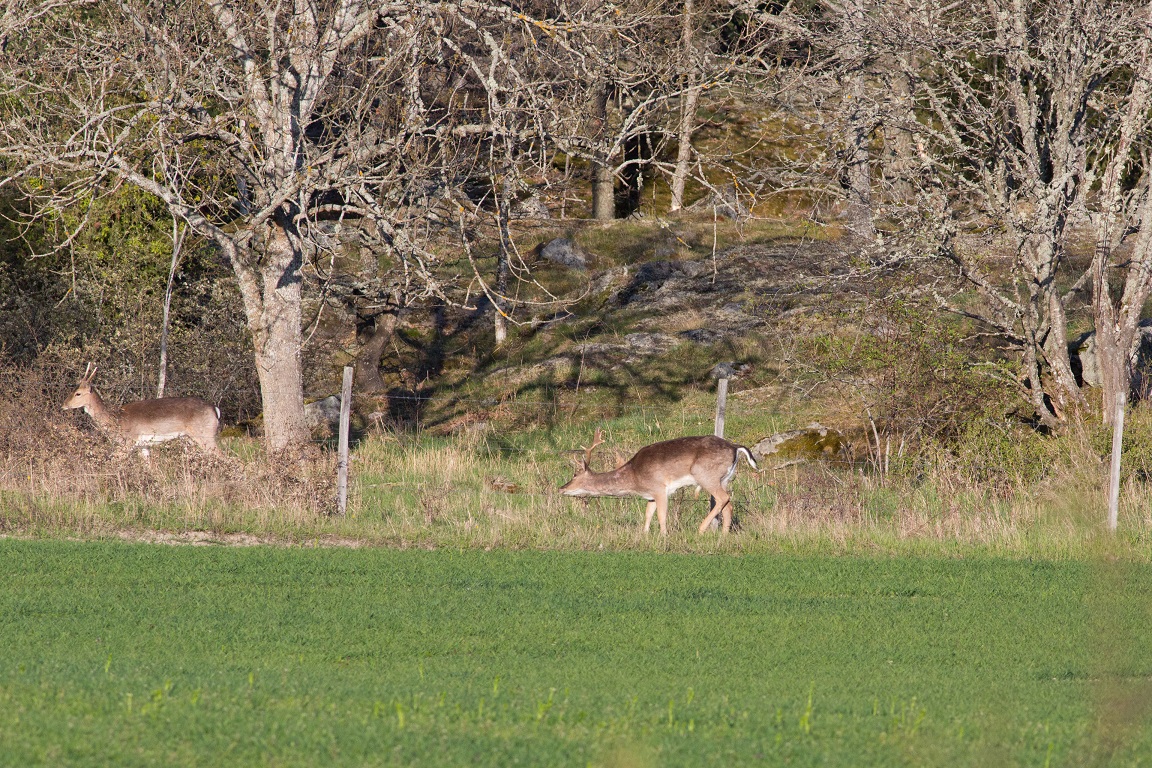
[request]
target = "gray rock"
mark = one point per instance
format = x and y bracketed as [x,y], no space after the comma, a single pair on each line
[566,253]
[323,413]
[646,344]
[662,282]
[724,370]
[531,207]
[597,351]
[702,335]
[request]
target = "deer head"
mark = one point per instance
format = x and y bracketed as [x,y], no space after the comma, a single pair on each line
[84,394]
[585,470]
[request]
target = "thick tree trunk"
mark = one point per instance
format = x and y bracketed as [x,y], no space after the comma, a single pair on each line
[367,363]
[1066,394]
[1112,358]
[276,335]
[899,157]
[603,193]
[603,183]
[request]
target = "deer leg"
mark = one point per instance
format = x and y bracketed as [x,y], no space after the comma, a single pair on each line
[727,514]
[648,512]
[662,512]
[722,505]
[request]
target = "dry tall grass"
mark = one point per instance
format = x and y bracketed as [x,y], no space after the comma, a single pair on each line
[1001,491]
[59,473]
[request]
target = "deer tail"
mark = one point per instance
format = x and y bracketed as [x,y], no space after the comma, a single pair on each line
[742,451]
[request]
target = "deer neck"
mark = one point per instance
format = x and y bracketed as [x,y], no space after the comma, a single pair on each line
[104,416]
[619,481]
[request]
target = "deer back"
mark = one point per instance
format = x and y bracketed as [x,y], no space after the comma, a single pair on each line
[705,457]
[167,418]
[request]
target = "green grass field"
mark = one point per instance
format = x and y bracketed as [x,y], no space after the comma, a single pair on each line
[132,654]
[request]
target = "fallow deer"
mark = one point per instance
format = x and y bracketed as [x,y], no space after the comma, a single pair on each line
[140,424]
[661,468]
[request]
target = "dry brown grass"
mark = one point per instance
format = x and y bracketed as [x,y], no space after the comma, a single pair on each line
[59,472]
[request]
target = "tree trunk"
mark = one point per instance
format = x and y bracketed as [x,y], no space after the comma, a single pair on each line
[684,150]
[276,335]
[367,363]
[1066,394]
[858,170]
[688,102]
[502,264]
[1112,358]
[899,158]
[858,122]
[603,183]
[178,235]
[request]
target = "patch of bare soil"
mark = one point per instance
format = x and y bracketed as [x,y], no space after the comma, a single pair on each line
[213,538]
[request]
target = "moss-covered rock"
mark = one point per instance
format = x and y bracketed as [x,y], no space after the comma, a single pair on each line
[808,444]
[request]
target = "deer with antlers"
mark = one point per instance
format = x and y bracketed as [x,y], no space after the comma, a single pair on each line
[143,423]
[659,469]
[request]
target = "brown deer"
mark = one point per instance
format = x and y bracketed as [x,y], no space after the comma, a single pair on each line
[661,468]
[140,424]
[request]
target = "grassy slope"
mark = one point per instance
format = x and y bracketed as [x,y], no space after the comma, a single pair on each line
[138,655]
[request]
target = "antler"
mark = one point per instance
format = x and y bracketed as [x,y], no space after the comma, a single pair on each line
[596,440]
[89,374]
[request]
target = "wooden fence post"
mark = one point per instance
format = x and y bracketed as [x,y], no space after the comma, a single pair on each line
[722,373]
[342,461]
[721,405]
[1114,478]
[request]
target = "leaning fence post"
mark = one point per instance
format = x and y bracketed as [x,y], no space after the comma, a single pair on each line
[342,461]
[1114,478]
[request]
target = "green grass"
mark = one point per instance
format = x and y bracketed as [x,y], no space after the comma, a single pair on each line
[119,654]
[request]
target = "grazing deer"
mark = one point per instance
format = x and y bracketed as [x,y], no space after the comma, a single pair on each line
[661,468]
[139,424]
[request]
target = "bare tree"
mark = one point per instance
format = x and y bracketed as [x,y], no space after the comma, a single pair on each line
[268,128]
[1022,126]
[1003,126]
[209,108]
[1120,161]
